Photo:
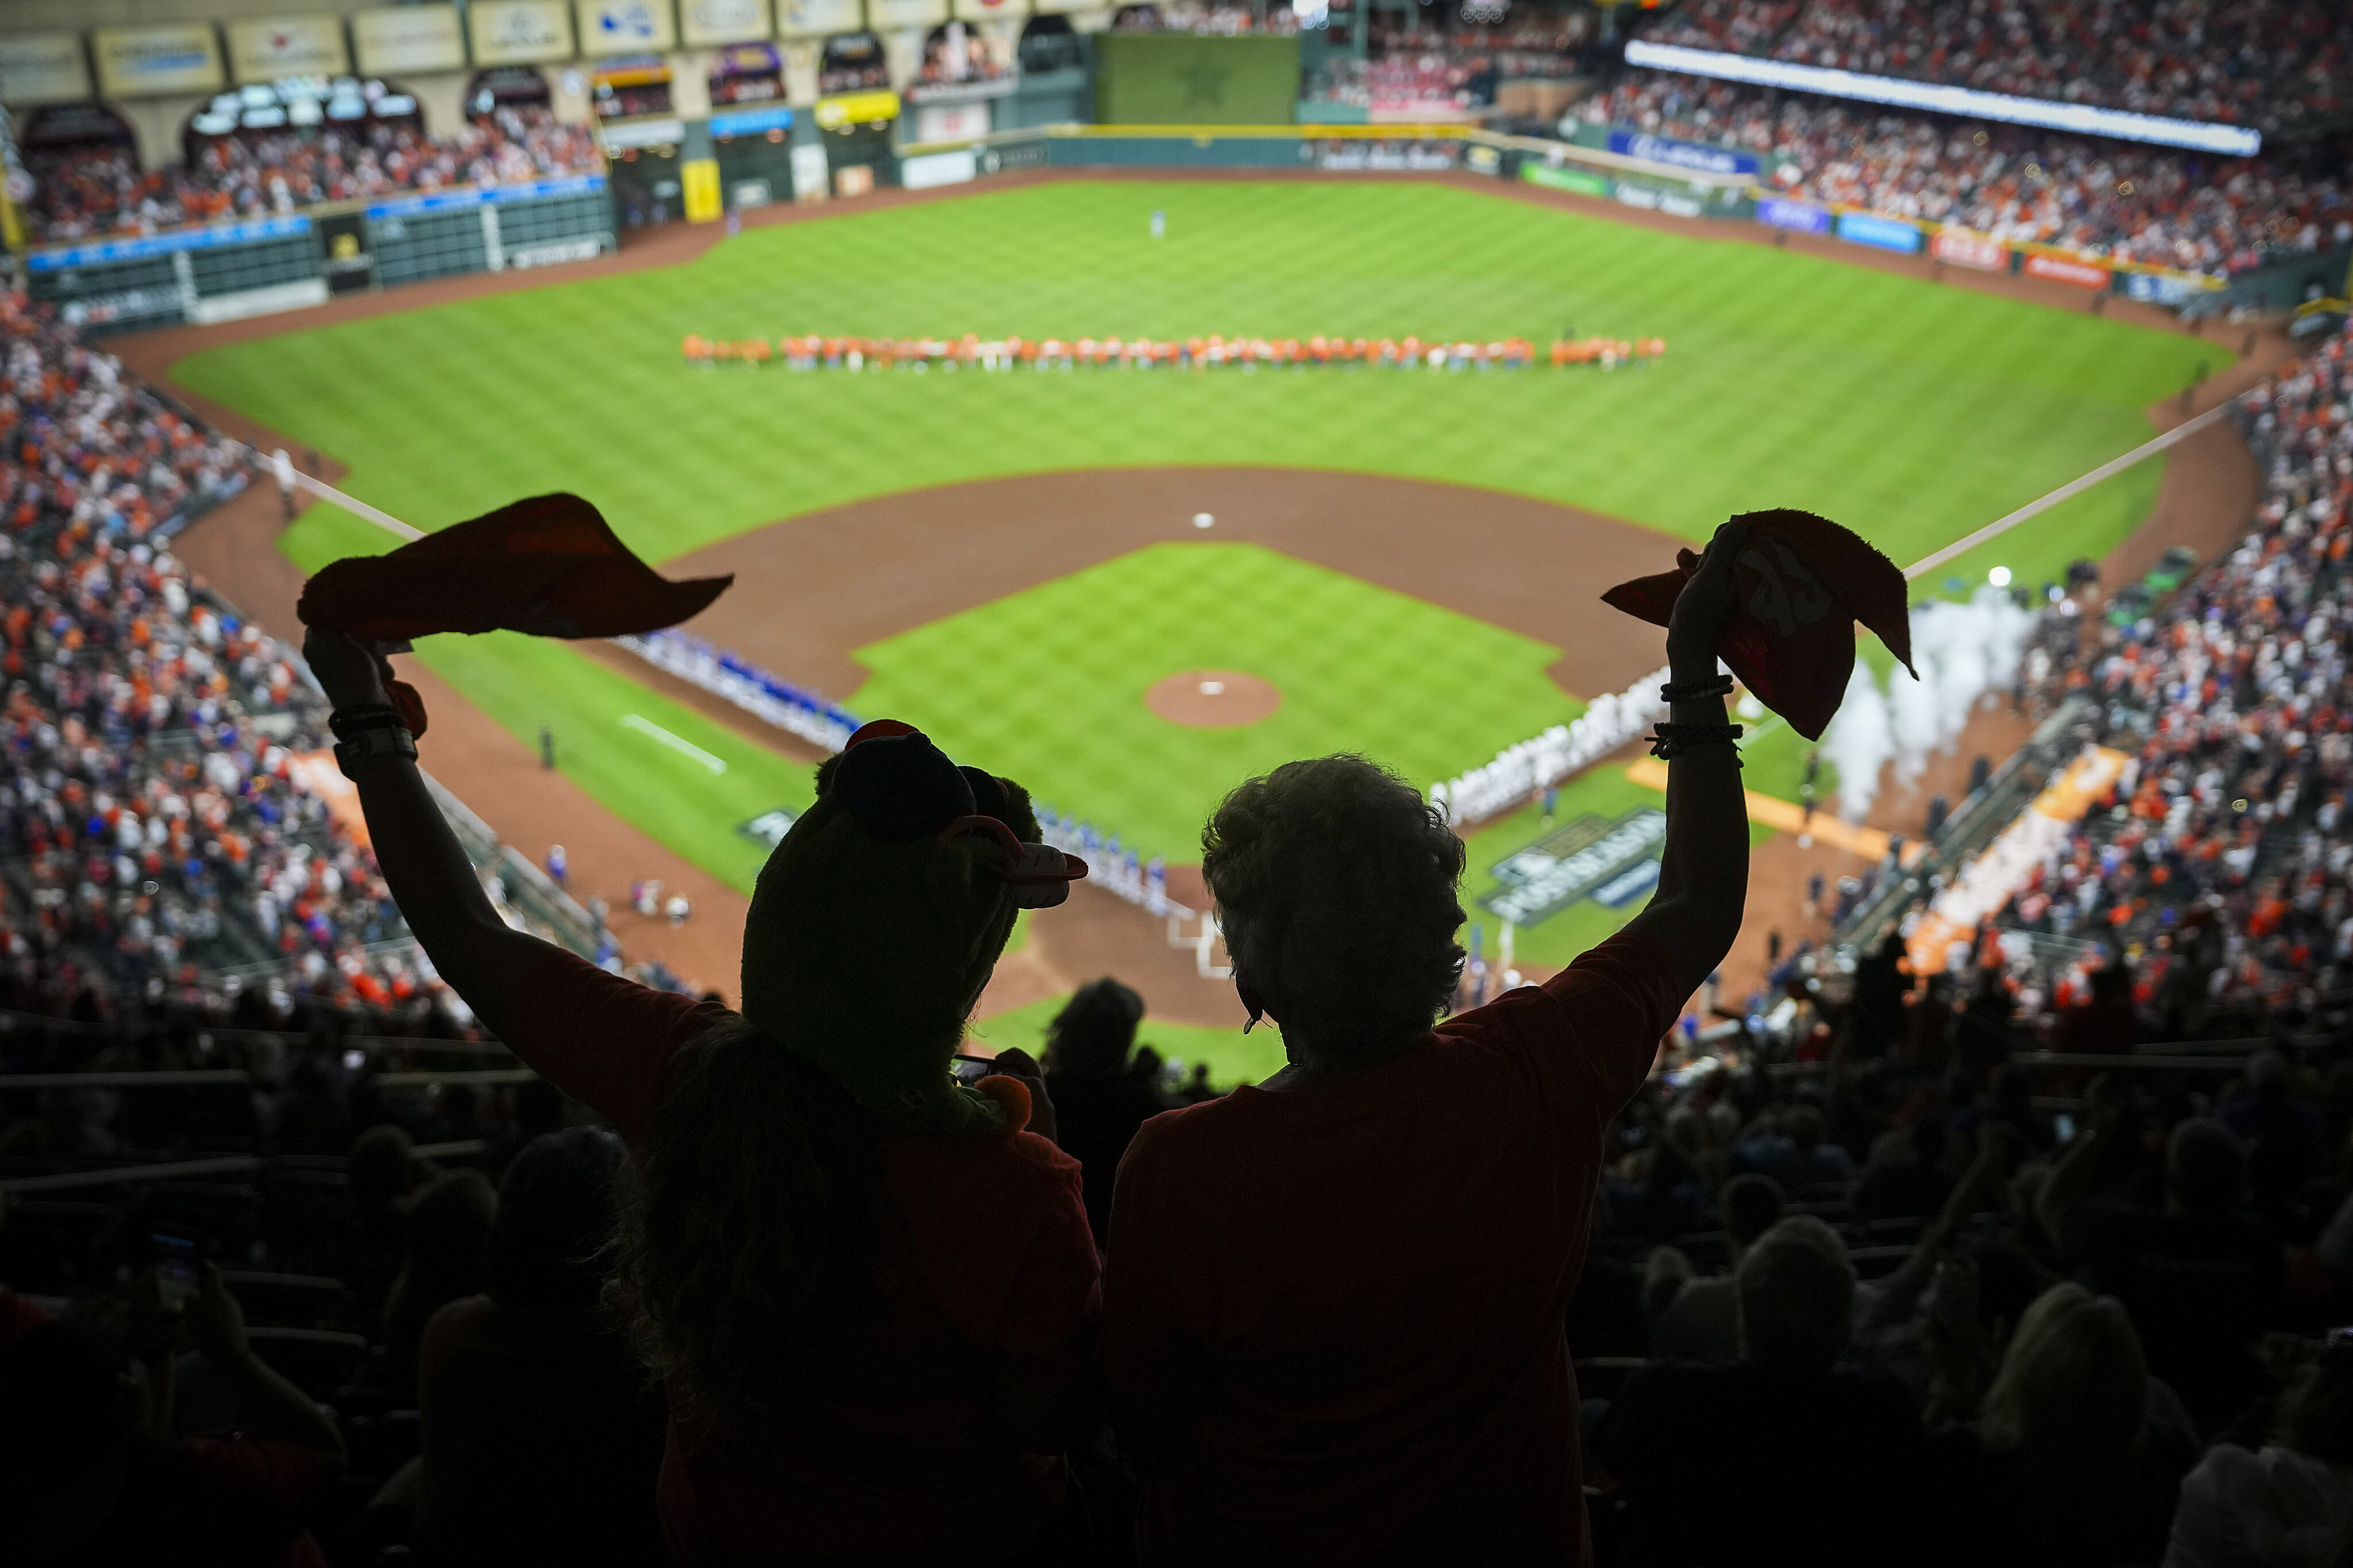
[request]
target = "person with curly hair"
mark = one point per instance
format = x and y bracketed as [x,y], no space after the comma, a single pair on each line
[1334,1302]
[867,1289]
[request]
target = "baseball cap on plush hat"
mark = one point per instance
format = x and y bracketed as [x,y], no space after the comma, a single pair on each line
[900,786]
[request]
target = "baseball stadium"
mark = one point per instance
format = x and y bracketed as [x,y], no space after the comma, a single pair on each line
[698,688]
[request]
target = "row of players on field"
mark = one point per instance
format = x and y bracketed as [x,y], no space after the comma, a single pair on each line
[1010,353]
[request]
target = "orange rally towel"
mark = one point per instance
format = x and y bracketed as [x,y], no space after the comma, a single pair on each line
[550,565]
[1803,582]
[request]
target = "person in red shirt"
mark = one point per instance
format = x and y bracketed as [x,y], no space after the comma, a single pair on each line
[868,1291]
[1335,1303]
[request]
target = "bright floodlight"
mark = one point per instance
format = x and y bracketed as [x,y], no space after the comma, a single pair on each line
[1999,576]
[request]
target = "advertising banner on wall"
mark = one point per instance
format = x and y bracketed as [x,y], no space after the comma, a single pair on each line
[1883,233]
[42,68]
[623,26]
[142,62]
[405,40]
[519,32]
[2164,288]
[931,169]
[1779,211]
[857,109]
[1696,156]
[1962,248]
[2067,269]
[707,24]
[818,18]
[270,48]
[1584,182]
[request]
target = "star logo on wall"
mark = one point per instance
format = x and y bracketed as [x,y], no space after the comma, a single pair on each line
[1205,83]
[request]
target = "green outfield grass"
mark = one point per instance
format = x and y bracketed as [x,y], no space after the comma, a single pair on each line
[1233,1056]
[1913,412]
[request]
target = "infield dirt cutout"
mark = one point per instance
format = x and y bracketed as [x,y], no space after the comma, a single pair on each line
[1213,699]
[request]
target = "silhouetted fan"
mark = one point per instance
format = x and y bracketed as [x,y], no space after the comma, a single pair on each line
[1803,582]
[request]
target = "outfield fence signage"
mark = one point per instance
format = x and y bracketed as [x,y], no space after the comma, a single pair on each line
[1592,857]
[1520,771]
[1801,217]
[738,680]
[2067,269]
[1881,233]
[1583,181]
[1700,155]
[108,252]
[1962,248]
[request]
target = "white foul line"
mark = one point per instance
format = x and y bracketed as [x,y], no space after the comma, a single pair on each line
[1913,574]
[352,504]
[647,727]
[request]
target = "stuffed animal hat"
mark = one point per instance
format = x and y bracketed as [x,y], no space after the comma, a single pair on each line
[878,920]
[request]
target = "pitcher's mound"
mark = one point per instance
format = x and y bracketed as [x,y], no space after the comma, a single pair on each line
[1213,699]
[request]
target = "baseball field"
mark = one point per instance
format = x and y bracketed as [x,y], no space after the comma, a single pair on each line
[1405,559]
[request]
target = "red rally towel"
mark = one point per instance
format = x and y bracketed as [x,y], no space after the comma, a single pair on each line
[550,565]
[1803,582]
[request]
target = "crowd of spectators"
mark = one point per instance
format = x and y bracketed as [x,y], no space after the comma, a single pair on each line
[97,191]
[2220,873]
[2117,199]
[2273,63]
[154,823]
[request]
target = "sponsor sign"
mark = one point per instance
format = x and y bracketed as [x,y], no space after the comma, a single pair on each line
[623,26]
[484,196]
[1581,859]
[2164,288]
[1881,233]
[757,122]
[1696,156]
[1801,217]
[938,169]
[2067,269]
[1635,194]
[642,133]
[1679,206]
[42,68]
[270,48]
[1584,182]
[769,828]
[857,109]
[818,18]
[519,32]
[706,23]
[130,305]
[151,246]
[1995,877]
[906,13]
[1014,156]
[403,39]
[554,255]
[1962,248]
[950,122]
[141,62]
[1481,159]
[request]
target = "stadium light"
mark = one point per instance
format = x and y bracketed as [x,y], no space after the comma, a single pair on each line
[1999,576]
[2083,119]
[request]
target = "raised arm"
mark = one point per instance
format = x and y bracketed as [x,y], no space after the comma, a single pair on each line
[482,958]
[1704,871]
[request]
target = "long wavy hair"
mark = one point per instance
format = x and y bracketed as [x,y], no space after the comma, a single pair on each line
[746,1228]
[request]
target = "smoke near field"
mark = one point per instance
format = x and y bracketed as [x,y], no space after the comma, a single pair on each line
[1964,652]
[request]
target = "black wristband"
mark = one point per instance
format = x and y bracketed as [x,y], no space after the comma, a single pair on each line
[376,740]
[348,721]
[1695,690]
[1671,741]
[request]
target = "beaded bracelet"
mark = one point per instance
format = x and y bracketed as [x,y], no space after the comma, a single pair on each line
[1696,691]
[1670,739]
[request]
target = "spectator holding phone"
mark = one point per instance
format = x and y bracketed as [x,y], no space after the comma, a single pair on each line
[1334,1303]
[866,1287]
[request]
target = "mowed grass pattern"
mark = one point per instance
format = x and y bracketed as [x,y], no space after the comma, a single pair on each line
[1048,685]
[1912,411]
